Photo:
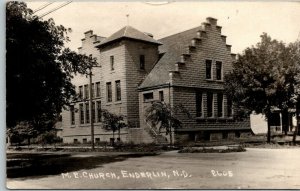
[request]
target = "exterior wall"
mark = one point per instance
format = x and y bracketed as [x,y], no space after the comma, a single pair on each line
[117,50]
[134,75]
[190,77]
[83,131]
[127,70]
[145,104]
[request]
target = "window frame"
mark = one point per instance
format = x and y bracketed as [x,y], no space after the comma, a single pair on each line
[112,63]
[86,91]
[93,90]
[97,89]
[210,104]
[142,62]
[148,99]
[99,114]
[72,114]
[118,90]
[87,113]
[220,69]
[220,102]
[81,113]
[161,96]
[80,92]
[108,92]
[199,104]
[207,61]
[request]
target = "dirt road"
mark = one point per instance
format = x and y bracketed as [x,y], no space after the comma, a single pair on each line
[253,169]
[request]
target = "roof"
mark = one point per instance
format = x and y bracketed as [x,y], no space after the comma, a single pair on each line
[173,47]
[131,33]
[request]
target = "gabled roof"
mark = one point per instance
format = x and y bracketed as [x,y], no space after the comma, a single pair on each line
[173,47]
[130,33]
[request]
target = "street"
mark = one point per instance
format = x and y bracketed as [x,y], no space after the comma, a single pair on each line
[256,168]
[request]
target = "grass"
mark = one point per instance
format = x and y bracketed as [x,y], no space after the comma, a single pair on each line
[36,165]
[212,150]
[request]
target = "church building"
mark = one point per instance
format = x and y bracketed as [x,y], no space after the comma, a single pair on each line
[134,69]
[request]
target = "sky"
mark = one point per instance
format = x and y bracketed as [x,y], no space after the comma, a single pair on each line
[242,22]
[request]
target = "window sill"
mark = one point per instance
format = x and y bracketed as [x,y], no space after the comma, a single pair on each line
[72,126]
[85,125]
[118,102]
[109,103]
[209,80]
[149,101]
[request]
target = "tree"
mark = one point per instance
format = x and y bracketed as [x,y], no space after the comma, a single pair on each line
[21,132]
[39,68]
[264,77]
[163,116]
[113,122]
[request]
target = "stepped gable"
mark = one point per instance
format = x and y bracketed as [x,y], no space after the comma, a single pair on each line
[90,39]
[129,32]
[172,48]
[176,49]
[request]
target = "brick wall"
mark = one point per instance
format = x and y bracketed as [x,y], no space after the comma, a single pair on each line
[135,75]
[193,48]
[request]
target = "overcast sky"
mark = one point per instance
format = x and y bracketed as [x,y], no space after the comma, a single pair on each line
[242,22]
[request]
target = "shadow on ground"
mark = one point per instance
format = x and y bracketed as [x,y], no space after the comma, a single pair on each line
[37,165]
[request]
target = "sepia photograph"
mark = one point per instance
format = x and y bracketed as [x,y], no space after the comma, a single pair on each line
[152,95]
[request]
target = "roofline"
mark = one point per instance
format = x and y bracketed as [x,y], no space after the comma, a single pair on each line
[180,32]
[125,37]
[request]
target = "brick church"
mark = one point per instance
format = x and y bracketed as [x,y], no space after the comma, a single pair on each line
[134,69]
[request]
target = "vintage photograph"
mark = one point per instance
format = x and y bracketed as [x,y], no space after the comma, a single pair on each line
[152,95]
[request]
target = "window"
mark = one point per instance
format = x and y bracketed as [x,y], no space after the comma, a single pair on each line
[97,140]
[118,90]
[142,62]
[148,96]
[97,89]
[198,104]
[209,104]
[220,104]
[84,140]
[75,140]
[72,115]
[93,112]
[81,112]
[161,96]
[99,116]
[219,70]
[80,92]
[109,92]
[87,113]
[86,91]
[112,63]
[93,90]
[208,69]
[229,107]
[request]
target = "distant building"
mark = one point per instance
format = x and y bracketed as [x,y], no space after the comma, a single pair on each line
[186,68]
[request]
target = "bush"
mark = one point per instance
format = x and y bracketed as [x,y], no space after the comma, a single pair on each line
[48,137]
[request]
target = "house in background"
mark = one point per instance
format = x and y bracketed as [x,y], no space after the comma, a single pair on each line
[187,68]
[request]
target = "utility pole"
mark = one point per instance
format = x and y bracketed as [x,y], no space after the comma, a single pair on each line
[91,112]
[170,123]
